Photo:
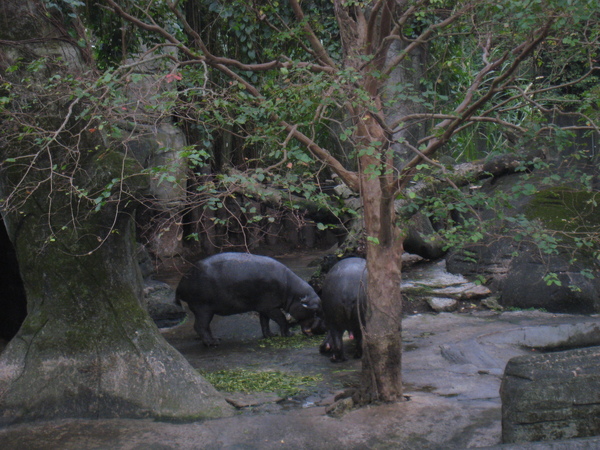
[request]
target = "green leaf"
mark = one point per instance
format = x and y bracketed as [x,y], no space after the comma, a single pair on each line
[373,240]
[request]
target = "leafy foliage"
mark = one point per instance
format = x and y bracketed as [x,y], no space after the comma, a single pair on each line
[268,381]
[278,99]
[215,107]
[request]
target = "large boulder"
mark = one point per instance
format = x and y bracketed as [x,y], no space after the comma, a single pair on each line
[422,239]
[517,272]
[551,396]
[532,268]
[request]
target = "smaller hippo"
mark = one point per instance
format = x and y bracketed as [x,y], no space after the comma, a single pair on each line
[343,302]
[235,283]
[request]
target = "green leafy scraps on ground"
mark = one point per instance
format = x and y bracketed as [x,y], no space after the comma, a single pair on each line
[516,309]
[241,380]
[295,341]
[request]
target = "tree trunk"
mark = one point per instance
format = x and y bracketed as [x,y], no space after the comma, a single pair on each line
[408,74]
[87,348]
[382,342]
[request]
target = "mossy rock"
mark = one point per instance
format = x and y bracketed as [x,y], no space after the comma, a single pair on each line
[565,209]
[516,268]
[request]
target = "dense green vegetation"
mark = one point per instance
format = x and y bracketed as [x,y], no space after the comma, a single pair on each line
[279,100]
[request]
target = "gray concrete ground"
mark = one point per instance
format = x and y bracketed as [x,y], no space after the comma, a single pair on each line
[452,368]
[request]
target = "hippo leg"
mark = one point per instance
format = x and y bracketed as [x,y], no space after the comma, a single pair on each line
[264,326]
[279,318]
[325,347]
[337,346]
[203,317]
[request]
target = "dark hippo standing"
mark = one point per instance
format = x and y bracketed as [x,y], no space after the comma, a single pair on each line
[234,283]
[343,301]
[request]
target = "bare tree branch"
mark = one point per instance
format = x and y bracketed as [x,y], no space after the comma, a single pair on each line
[206,56]
[222,64]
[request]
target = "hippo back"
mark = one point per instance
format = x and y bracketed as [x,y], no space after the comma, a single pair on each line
[231,283]
[344,293]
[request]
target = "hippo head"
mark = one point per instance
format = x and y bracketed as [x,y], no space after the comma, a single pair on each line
[305,307]
[305,311]
[311,302]
[313,327]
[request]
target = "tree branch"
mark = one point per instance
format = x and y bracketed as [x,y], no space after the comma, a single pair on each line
[207,56]
[222,65]
[467,107]
[315,43]
[423,37]
[275,198]
[349,177]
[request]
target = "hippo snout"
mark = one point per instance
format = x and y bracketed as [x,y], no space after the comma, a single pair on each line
[313,326]
[312,303]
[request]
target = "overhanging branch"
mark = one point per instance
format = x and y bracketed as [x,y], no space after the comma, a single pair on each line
[443,131]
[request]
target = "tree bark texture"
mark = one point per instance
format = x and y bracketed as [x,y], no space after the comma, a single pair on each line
[87,349]
[382,343]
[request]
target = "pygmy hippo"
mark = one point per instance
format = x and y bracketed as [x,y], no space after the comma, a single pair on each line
[234,283]
[343,301]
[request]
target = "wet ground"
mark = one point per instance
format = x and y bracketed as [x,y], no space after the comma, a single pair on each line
[452,369]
